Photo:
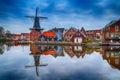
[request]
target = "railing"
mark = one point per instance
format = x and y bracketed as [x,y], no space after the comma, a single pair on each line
[115,38]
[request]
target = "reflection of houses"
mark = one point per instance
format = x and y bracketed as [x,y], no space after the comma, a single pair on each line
[93,34]
[59,52]
[43,49]
[68,50]
[78,51]
[1,49]
[74,51]
[112,55]
[67,36]
[111,32]
[37,51]
[79,36]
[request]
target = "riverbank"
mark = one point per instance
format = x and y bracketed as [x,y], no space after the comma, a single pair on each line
[64,43]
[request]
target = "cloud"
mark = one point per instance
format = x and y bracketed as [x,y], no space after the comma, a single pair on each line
[60,13]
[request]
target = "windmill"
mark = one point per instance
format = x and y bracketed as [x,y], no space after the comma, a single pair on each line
[37,18]
[36,63]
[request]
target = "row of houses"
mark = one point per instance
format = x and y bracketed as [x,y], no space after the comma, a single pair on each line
[72,34]
[110,33]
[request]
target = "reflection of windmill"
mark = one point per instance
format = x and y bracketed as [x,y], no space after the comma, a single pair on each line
[36,18]
[36,63]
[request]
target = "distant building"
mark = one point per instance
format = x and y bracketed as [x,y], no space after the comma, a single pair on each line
[93,34]
[111,32]
[17,36]
[67,36]
[59,32]
[25,36]
[79,36]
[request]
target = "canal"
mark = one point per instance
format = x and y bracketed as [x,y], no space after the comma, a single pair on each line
[53,62]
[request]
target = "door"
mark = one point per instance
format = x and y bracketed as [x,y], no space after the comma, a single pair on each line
[78,40]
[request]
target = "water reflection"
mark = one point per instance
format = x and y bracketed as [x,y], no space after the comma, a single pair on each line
[112,55]
[2,49]
[74,51]
[37,51]
[64,62]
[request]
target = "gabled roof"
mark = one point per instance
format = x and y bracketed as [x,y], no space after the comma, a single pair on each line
[83,32]
[111,23]
[79,31]
[69,30]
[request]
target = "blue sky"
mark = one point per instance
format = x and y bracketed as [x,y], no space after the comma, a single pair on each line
[90,14]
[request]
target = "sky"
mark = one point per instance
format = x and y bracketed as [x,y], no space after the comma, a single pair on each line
[90,14]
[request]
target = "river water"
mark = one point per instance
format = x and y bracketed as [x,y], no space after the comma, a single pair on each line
[53,62]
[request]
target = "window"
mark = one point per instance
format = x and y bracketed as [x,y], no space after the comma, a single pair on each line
[112,35]
[77,40]
[116,28]
[116,35]
[116,61]
[107,54]
[107,35]
[112,54]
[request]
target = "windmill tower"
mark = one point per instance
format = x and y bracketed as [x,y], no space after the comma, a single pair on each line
[36,25]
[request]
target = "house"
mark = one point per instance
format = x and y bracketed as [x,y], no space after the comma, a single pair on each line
[93,34]
[111,32]
[79,36]
[48,36]
[67,36]
[58,32]
[25,36]
[17,36]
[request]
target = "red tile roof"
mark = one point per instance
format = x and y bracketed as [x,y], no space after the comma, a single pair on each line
[48,33]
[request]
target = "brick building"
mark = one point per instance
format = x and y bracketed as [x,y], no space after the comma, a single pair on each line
[79,36]
[111,32]
[93,34]
[67,36]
